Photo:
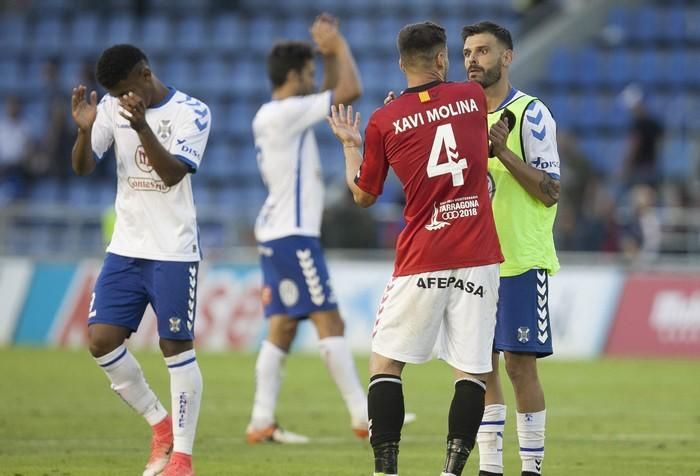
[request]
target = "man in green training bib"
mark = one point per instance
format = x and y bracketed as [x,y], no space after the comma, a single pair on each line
[524,183]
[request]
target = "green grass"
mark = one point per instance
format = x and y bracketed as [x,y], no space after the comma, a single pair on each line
[611,417]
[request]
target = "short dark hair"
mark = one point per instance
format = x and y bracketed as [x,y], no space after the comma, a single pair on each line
[420,42]
[286,56]
[116,62]
[501,33]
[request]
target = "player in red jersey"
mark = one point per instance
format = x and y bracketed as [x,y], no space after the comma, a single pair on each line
[444,290]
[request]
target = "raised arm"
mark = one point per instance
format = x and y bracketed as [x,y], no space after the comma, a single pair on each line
[84,114]
[340,70]
[347,129]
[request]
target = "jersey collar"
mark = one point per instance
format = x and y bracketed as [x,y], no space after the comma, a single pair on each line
[508,98]
[422,87]
[164,101]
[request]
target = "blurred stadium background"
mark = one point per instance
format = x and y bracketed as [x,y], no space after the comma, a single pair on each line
[628,228]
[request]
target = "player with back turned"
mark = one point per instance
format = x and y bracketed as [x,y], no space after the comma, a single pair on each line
[296,283]
[159,135]
[444,289]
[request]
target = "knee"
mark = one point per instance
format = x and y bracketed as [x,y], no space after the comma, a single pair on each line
[282,333]
[520,368]
[100,345]
[170,348]
[333,327]
[383,365]
[329,324]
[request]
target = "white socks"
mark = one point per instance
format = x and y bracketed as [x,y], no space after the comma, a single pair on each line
[531,438]
[490,439]
[186,398]
[336,354]
[127,380]
[268,379]
[185,389]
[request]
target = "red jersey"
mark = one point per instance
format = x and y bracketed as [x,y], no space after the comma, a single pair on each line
[435,139]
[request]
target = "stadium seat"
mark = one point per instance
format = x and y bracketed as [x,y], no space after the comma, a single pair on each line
[691,15]
[296,28]
[10,74]
[264,33]
[36,114]
[675,25]
[85,33]
[191,34]
[178,72]
[14,35]
[46,191]
[619,70]
[588,64]
[156,34]
[560,71]
[48,36]
[120,29]
[649,69]
[214,74]
[228,34]
[674,155]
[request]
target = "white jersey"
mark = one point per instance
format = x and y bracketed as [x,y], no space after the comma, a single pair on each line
[290,166]
[539,133]
[154,221]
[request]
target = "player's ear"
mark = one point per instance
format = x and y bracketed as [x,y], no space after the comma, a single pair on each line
[507,57]
[146,73]
[401,66]
[441,59]
[292,76]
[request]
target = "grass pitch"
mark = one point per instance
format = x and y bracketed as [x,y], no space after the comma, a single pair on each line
[608,418]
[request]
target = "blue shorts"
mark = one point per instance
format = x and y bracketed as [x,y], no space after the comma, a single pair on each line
[126,286]
[522,317]
[295,277]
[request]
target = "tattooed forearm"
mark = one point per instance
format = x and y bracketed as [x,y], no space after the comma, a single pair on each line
[550,187]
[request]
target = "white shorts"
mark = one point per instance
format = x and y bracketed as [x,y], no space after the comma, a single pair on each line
[450,314]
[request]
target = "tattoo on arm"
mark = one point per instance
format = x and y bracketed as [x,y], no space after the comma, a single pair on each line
[550,187]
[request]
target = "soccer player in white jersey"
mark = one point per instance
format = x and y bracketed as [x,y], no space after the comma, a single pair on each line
[296,281]
[159,135]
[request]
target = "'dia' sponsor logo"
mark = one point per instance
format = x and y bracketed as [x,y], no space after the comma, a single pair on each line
[675,316]
[186,149]
[451,282]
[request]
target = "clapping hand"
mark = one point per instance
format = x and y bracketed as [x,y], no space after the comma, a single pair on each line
[345,126]
[325,33]
[83,112]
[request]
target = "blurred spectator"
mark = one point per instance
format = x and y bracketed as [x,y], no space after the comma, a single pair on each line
[15,149]
[598,228]
[345,225]
[641,238]
[645,134]
[576,172]
[576,176]
[55,149]
[86,77]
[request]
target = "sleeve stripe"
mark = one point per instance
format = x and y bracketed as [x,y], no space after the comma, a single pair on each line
[188,162]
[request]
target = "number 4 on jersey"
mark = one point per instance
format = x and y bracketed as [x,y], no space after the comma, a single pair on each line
[445,135]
